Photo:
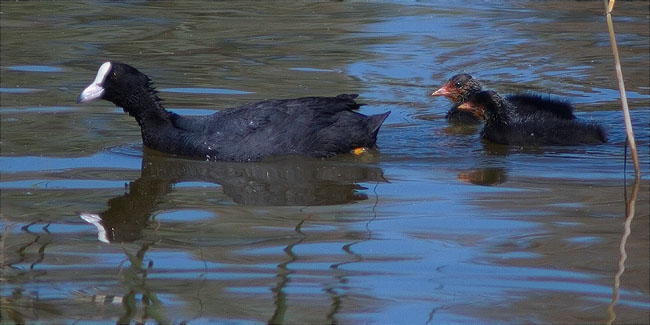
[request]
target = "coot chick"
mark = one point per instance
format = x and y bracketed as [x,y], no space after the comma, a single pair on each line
[504,126]
[310,126]
[461,87]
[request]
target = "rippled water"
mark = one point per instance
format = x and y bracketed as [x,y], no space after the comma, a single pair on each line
[434,227]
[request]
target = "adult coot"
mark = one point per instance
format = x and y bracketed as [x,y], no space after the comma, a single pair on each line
[311,126]
[461,87]
[503,125]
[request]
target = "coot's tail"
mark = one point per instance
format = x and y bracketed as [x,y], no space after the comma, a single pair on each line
[598,133]
[374,123]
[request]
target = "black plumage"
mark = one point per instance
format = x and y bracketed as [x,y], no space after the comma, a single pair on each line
[504,126]
[530,103]
[311,126]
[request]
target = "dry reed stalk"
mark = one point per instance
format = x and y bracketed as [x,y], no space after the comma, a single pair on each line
[609,6]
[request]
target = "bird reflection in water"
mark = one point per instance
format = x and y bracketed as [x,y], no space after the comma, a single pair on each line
[483,176]
[288,181]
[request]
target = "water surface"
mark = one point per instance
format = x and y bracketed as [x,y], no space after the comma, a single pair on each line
[433,227]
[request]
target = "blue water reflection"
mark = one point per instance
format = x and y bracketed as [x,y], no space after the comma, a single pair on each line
[435,226]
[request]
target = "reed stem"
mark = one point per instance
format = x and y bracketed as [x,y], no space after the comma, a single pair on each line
[609,6]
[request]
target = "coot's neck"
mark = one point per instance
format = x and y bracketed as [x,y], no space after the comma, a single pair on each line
[471,91]
[498,111]
[143,104]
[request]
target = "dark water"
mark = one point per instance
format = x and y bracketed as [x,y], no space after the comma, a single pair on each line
[434,227]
